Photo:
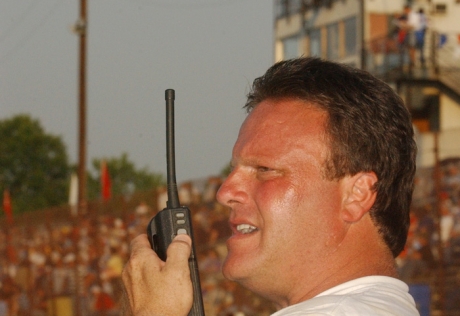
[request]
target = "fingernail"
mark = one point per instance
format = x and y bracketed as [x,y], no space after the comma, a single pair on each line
[183,237]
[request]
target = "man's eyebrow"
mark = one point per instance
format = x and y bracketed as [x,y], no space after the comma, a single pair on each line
[244,161]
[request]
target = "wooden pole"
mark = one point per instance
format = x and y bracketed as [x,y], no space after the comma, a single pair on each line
[81,31]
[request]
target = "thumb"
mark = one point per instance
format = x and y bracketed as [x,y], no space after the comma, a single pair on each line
[179,250]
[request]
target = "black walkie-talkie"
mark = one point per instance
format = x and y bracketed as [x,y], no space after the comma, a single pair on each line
[174,219]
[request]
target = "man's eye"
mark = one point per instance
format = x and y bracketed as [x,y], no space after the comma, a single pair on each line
[263,169]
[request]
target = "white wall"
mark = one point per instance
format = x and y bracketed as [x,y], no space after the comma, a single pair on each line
[384,6]
[341,10]
[449,114]
[448,22]
[449,146]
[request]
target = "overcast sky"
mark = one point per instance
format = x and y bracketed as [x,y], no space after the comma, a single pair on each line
[209,51]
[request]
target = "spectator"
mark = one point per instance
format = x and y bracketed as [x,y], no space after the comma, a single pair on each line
[9,292]
[420,27]
[103,303]
[407,22]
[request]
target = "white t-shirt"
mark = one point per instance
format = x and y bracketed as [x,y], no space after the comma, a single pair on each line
[370,296]
[414,21]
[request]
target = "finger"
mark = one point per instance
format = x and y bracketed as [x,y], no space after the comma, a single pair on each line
[140,243]
[141,250]
[179,250]
[140,253]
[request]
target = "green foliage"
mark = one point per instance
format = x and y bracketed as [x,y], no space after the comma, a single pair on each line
[33,165]
[226,170]
[125,178]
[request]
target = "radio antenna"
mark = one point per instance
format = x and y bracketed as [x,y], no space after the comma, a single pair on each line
[173,197]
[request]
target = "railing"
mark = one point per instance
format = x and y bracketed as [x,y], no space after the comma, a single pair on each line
[447,59]
[391,61]
[286,8]
[117,206]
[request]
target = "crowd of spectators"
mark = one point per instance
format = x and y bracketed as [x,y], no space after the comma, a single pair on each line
[432,253]
[55,267]
[434,234]
[72,266]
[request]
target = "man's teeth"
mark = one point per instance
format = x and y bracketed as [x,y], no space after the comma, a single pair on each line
[245,228]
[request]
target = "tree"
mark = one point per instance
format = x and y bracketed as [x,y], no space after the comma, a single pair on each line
[125,178]
[33,165]
[226,170]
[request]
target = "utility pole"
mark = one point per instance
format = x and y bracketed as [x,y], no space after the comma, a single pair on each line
[81,31]
[81,28]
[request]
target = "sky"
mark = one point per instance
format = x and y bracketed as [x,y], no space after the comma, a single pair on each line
[208,51]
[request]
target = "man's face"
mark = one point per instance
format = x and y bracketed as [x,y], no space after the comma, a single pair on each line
[284,212]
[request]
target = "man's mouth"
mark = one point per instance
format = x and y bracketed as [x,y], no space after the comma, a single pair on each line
[245,228]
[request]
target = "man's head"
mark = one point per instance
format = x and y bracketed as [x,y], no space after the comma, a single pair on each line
[368,129]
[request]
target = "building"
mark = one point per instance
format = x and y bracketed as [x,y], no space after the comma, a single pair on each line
[363,33]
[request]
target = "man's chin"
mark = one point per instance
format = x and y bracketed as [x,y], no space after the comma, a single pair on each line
[238,270]
[240,274]
[232,269]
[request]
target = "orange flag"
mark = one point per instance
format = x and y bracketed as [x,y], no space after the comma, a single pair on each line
[106,184]
[7,206]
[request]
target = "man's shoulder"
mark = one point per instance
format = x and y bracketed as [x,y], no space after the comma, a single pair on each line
[376,296]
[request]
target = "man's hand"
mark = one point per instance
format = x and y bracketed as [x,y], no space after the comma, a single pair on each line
[155,287]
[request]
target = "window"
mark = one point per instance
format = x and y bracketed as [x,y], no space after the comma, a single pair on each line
[284,8]
[333,41]
[291,47]
[350,36]
[315,42]
[281,8]
[440,8]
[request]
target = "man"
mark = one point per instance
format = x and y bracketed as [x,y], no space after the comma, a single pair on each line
[319,200]
[419,33]
[409,22]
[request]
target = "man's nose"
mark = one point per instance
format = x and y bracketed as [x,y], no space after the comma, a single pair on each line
[233,189]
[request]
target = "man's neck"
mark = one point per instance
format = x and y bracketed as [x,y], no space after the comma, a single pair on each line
[362,253]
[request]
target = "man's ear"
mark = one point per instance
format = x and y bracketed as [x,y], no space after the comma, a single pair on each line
[359,195]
